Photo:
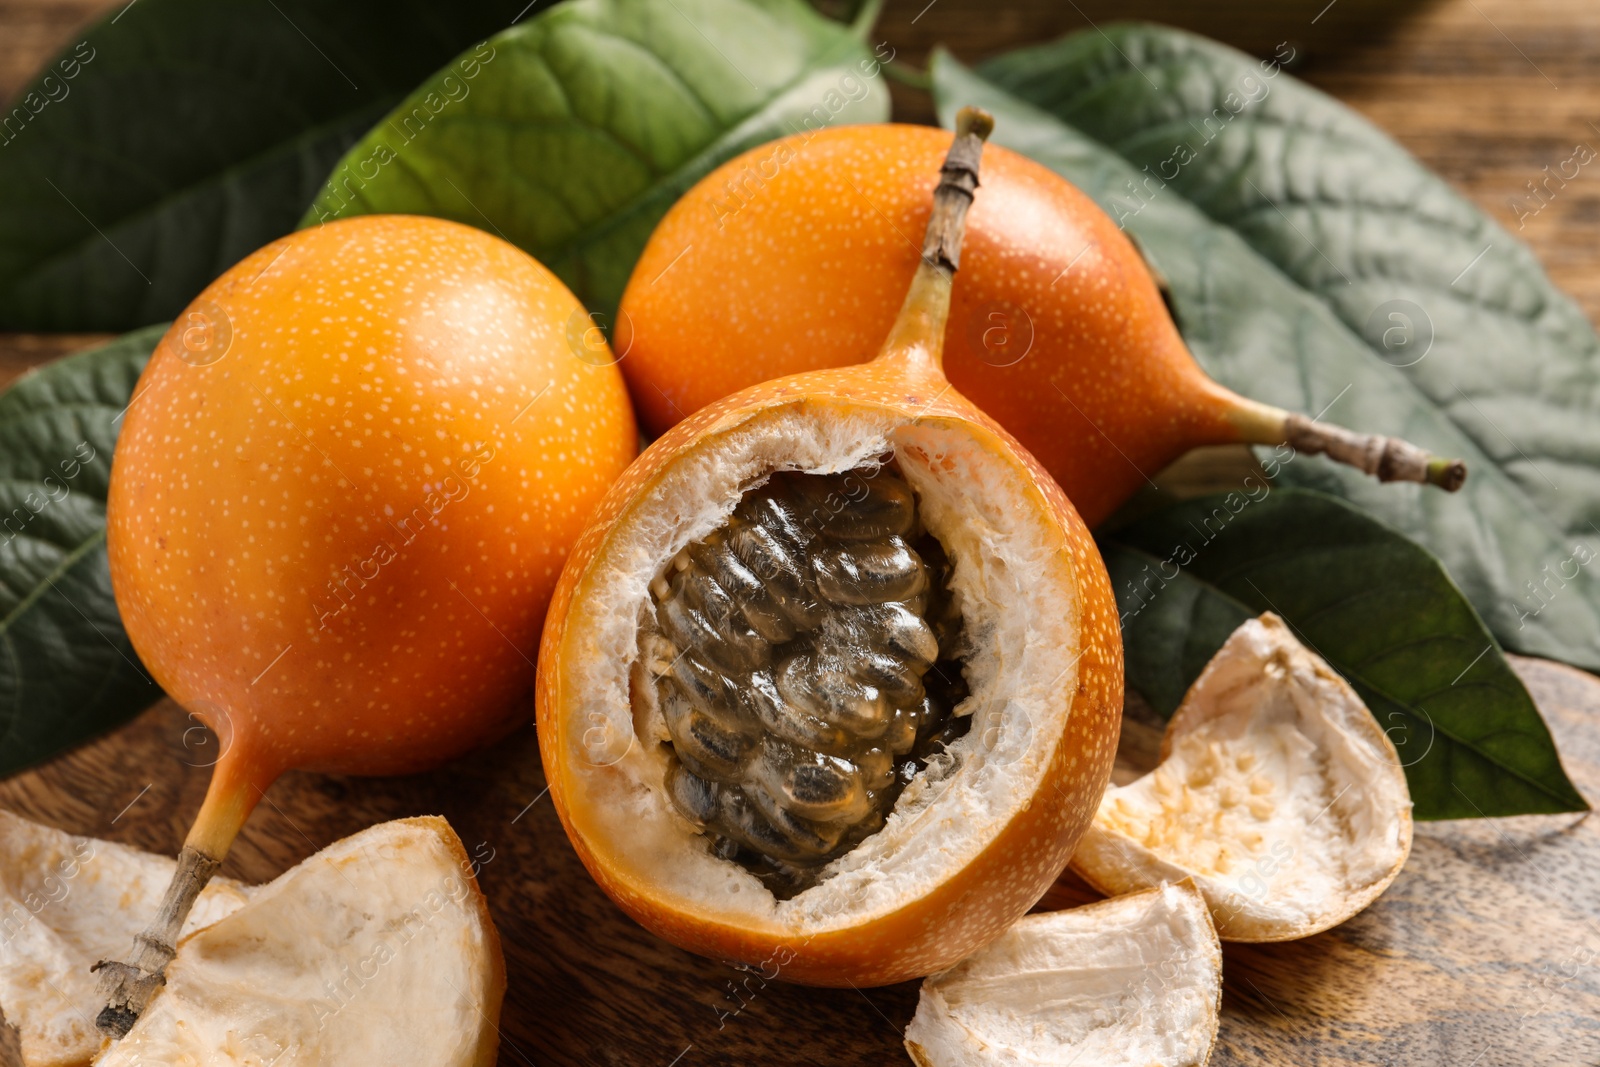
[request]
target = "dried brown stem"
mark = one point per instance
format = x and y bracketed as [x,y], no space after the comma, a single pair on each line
[1388,458]
[128,987]
[958,180]
[917,337]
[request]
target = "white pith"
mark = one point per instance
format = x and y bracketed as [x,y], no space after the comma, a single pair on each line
[380,941]
[67,902]
[1278,794]
[1013,583]
[377,950]
[1129,982]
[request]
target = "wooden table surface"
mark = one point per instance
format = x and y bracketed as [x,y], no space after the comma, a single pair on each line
[1483,953]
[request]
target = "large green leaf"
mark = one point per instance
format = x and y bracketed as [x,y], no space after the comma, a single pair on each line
[1263,302]
[1378,607]
[181,135]
[67,670]
[1350,216]
[596,115]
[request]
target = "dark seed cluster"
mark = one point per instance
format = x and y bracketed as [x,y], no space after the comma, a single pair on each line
[805,667]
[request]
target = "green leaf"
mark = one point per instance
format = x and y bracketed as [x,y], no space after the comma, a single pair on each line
[1378,607]
[181,135]
[592,118]
[1284,239]
[67,670]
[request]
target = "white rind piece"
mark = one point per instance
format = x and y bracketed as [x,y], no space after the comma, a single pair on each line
[1278,794]
[67,902]
[379,949]
[1134,981]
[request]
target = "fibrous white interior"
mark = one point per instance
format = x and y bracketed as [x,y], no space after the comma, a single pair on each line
[1129,982]
[67,902]
[1011,582]
[1278,794]
[378,949]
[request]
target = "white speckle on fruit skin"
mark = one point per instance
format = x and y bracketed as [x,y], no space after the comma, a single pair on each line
[365,513]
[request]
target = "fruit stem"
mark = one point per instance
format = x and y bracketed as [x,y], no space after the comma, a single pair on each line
[865,18]
[128,987]
[230,799]
[958,180]
[917,336]
[1390,459]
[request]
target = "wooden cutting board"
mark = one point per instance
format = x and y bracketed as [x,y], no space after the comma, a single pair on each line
[1484,953]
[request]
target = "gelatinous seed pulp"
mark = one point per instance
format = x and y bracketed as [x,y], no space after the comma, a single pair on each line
[806,665]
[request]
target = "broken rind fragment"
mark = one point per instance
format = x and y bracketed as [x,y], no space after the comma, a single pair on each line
[1134,981]
[378,949]
[1277,793]
[67,902]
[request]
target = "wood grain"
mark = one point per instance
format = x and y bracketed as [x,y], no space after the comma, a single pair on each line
[21,352]
[1483,953]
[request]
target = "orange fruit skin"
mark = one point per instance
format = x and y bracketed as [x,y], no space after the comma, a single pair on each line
[933,932]
[793,257]
[335,541]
